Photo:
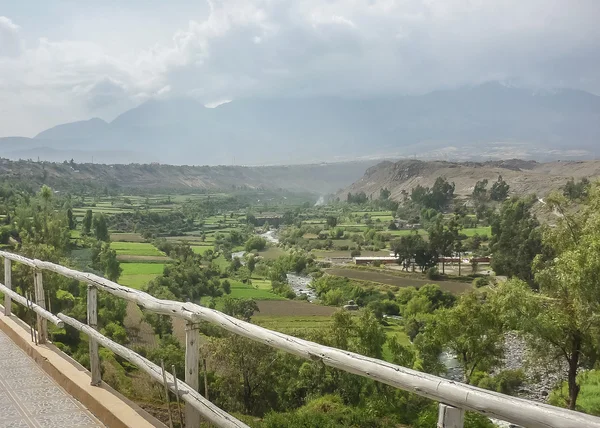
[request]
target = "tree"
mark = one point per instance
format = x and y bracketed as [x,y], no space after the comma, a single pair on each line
[112,267]
[516,240]
[442,193]
[384,194]
[331,221]
[480,190]
[575,191]
[438,197]
[442,237]
[407,248]
[101,228]
[86,225]
[240,308]
[251,219]
[71,219]
[561,320]
[499,190]
[255,243]
[470,330]
[251,264]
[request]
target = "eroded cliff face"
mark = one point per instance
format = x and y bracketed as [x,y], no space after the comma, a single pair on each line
[524,177]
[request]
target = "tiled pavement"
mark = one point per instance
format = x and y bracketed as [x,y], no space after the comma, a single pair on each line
[30,398]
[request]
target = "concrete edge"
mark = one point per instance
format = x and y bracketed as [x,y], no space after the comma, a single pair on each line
[110,407]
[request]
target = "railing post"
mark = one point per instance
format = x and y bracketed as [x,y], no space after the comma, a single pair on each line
[8,284]
[40,300]
[192,363]
[92,320]
[450,417]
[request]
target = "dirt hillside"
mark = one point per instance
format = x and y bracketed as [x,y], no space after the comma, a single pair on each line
[524,177]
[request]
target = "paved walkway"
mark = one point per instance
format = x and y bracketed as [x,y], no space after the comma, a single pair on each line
[30,398]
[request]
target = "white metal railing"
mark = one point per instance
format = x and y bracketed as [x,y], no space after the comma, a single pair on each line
[454,397]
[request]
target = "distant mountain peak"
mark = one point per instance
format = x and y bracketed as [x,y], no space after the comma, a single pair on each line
[75,130]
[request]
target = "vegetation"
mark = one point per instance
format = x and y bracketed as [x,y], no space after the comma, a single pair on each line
[210,249]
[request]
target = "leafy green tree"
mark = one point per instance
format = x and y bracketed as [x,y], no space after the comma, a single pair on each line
[442,237]
[86,225]
[331,221]
[384,194]
[370,334]
[471,331]
[240,308]
[575,191]
[251,264]
[112,267]
[101,228]
[561,320]
[71,219]
[171,352]
[499,190]
[480,190]
[255,243]
[516,240]
[251,219]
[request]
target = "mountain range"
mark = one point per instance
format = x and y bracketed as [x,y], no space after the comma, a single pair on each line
[481,122]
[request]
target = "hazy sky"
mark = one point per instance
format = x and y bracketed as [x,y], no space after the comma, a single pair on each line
[65,60]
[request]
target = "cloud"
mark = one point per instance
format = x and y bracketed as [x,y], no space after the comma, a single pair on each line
[358,48]
[349,48]
[11,44]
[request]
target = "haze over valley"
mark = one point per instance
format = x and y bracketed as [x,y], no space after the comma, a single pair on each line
[314,214]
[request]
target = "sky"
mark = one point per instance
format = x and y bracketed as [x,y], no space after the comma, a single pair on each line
[68,60]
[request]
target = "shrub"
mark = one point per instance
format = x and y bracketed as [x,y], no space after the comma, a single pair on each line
[506,382]
[481,282]
[432,273]
[256,243]
[354,253]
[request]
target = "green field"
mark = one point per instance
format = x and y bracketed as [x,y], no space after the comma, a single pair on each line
[202,249]
[126,237]
[137,275]
[479,230]
[240,290]
[290,324]
[136,249]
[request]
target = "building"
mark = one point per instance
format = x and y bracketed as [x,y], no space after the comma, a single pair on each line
[370,260]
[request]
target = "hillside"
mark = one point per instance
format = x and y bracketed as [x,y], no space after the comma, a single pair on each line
[317,178]
[524,177]
[470,123]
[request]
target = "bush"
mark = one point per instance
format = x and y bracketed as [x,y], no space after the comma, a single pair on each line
[377,263]
[333,297]
[506,382]
[432,273]
[481,282]
[354,253]
[256,243]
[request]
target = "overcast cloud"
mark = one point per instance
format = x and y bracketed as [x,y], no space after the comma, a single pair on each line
[76,60]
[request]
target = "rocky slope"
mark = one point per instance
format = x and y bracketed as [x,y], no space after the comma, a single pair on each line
[524,177]
[317,178]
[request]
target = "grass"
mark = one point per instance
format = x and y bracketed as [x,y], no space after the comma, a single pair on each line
[394,330]
[405,232]
[290,324]
[271,253]
[138,275]
[479,230]
[588,400]
[389,278]
[126,237]
[202,249]
[136,249]
[261,284]
[240,290]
